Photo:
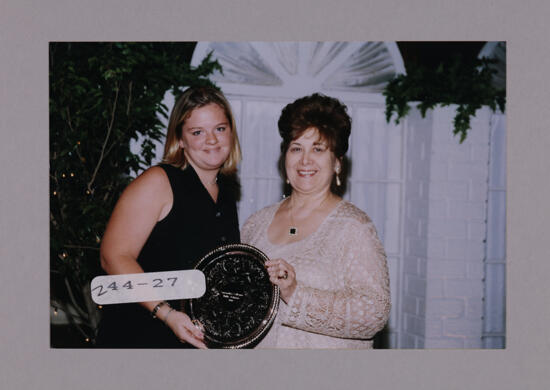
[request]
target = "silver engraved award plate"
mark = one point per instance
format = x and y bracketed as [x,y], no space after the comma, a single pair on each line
[240,303]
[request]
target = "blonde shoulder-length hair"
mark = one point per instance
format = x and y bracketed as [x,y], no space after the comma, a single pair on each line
[192,98]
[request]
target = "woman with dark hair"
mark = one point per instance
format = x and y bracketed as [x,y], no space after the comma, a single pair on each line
[324,252]
[171,216]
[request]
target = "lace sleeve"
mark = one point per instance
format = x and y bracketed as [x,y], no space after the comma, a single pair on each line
[361,308]
[250,232]
[247,229]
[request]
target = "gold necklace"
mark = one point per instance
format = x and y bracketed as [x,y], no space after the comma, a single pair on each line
[293,229]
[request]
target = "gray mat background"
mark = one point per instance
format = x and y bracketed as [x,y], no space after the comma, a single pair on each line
[26,27]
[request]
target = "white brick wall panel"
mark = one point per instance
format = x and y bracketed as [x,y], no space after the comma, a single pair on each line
[439,154]
[456,228]
[467,210]
[475,270]
[422,267]
[468,171]
[479,133]
[410,266]
[443,136]
[437,247]
[417,247]
[408,305]
[447,342]
[434,328]
[451,153]
[393,320]
[474,309]
[448,228]
[415,286]
[406,249]
[422,189]
[412,227]
[416,171]
[439,171]
[435,288]
[463,288]
[408,170]
[392,338]
[419,342]
[448,139]
[439,209]
[462,327]
[422,152]
[452,269]
[414,189]
[438,190]
[478,191]
[476,249]
[414,324]
[457,248]
[417,208]
[407,340]
[444,307]
[479,153]
[438,227]
[459,209]
[421,307]
[455,217]
[422,229]
[443,123]
[411,261]
[473,342]
[456,190]
[476,230]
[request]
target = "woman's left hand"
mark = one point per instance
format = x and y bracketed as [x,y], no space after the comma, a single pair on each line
[283,275]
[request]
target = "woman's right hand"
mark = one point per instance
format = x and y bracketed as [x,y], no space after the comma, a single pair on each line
[184,329]
[283,275]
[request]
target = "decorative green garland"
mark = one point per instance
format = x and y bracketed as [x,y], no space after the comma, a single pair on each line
[466,84]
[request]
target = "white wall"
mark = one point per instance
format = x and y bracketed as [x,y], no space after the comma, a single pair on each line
[445,230]
[414,287]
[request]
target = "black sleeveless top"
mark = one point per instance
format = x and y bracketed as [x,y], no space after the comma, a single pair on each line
[194,226]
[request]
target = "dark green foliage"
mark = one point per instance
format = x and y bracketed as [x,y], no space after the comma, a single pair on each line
[102,95]
[467,84]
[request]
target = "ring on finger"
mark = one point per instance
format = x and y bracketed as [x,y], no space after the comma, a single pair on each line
[198,325]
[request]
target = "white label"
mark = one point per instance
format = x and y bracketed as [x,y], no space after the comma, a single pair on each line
[149,286]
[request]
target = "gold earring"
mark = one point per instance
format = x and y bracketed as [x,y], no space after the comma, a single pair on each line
[287,181]
[338,182]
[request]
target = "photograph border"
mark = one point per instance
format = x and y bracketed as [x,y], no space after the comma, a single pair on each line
[27,28]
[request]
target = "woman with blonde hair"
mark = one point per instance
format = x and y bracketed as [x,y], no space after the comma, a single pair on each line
[171,216]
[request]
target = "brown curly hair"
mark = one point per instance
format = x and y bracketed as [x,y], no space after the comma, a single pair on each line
[327,114]
[324,113]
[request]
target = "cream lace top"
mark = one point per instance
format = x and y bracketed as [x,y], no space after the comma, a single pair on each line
[342,296]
